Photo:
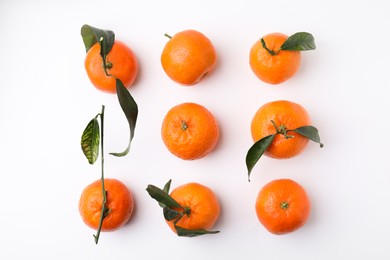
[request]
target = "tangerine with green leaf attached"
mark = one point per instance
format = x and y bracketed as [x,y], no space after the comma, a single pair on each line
[282,206]
[121,63]
[281,115]
[119,204]
[280,129]
[202,205]
[189,210]
[276,57]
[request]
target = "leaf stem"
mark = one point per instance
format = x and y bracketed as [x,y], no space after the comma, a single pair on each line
[272,52]
[105,211]
[284,205]
[282,130]
[103,53]
[184,125]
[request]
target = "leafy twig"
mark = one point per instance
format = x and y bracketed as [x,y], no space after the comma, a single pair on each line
[258,148]
[90,141]
[173,211]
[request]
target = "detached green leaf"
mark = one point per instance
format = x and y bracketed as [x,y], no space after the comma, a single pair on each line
[310,132]
[256,151]
[162,197]
[130,108]
[183,232]
[92,35]
[90,141]
[301,41]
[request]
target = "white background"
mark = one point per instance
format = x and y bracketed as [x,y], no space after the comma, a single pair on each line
[46,100]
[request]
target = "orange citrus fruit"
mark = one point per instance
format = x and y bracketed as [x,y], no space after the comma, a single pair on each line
[121,63]
[119,203]
[282,206]
[202,203]
[189,131]
[283,115]
[273,68]
[188,56]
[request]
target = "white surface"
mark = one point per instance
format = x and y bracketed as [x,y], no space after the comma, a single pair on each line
[46,100]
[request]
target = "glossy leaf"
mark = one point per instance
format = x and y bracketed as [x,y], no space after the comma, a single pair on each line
[310,132]
[162,197]
[92,35]
[90,141]
[183,232]
[256,151]
[301,41]
[105,38]
[170,214]
[166,188]
[130,109]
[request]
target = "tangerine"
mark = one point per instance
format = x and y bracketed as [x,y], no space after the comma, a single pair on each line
[202,204]
[282,206]
[121,63]
[119,202]
[271,64]
[190,131]
[281,116]
[188,56]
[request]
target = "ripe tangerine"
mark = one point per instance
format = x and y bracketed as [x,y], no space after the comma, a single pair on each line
[121,63]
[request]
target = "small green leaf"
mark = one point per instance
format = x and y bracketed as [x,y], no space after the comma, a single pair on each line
[105,38]
[256,151]
[166,188]
[130,109]
[170,214]
[92,35]
[310,132]
[183,232]
[162,197]
[301,41]
[90,140]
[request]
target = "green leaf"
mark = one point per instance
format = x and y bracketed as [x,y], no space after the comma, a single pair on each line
[90,140]
[130,108]
[162,197]
[170,214]
[105,38]
[92,35]
[166,188]
[301,41]
[256,151]
[183,232]
[310,132]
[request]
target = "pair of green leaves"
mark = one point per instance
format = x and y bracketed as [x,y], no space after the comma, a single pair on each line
[259,147]
[90,138]
[173,211]
[301,41]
